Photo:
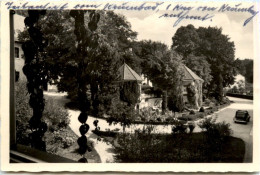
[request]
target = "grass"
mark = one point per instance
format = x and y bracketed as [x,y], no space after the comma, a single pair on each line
[179,148]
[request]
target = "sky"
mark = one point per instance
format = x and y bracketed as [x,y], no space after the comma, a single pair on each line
[150,26]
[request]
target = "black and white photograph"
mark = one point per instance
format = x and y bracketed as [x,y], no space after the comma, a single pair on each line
[130,82]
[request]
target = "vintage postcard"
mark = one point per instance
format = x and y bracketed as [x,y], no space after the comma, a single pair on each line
[130,86]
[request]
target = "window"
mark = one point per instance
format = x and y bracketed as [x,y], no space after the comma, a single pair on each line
[16,52]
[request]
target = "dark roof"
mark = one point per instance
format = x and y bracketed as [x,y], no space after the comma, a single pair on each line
[190,76]
[128,74]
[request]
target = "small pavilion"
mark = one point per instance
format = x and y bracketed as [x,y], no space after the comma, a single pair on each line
[128,74]
[125,74]
[191,78]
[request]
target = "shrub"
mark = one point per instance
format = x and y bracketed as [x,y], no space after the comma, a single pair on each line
[179,127]
[130,92]
[215,130]
[60,139]
[191,126]
[202,109]
[207,123]
[55,115]
[122,113]
[192,112]
[23,113]
[220,130]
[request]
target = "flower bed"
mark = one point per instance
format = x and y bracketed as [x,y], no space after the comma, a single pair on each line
[208,111]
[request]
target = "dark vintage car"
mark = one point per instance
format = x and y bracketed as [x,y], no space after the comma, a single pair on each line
[242,116]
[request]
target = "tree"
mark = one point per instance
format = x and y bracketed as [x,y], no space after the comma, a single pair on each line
[200,66]
[215,48]
[250,72]
[113,38]
[162,67]
[185,40]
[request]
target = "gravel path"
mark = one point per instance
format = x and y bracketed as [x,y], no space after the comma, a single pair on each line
[102,148]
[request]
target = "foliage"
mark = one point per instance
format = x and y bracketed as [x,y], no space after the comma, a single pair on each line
[192,112]
[207,123]
[179,127]
[215,48]
[175,101]
[95,123]
[54,115]
[191,94]
[130,92]
[162,67]
[23,113]
[150,115]
[113,36]
[191,126]
[250,72]
[61,138]
[202,109]
[216,133]
[245,68]
[215,130]
[121,113]
[201,67]
[144,147]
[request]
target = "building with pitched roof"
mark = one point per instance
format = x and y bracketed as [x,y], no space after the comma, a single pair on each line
[18,52]
[190,78]
[128,74]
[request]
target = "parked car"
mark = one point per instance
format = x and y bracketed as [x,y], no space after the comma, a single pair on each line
[242,116]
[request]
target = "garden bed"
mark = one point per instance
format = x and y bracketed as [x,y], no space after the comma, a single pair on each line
[70,151]
[105,133]
[199,115]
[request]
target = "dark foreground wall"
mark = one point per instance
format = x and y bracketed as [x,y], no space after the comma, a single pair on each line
[240,96]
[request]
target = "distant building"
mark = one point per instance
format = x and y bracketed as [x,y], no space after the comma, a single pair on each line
[190,78]
[18,52]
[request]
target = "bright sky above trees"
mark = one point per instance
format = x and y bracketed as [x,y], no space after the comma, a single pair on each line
[150,26]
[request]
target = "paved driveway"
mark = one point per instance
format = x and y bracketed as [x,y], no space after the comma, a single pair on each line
[242,131]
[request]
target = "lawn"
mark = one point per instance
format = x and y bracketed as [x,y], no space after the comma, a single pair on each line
[178,148]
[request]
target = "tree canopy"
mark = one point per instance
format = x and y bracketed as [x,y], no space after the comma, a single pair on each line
[215,51]
[162,67]
[113,37]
